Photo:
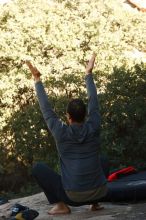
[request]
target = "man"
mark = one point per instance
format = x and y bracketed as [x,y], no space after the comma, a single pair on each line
[82,180]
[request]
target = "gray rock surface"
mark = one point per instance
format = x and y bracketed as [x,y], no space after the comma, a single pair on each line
[111,212]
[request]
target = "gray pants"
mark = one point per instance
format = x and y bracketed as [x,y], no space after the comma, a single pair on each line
[52,186]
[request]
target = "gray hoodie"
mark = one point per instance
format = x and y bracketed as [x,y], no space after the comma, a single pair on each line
[77,145]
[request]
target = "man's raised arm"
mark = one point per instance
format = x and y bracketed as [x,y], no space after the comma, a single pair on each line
[52,120]
[93,106]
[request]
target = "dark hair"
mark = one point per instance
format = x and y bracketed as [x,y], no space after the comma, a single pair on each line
[76,108]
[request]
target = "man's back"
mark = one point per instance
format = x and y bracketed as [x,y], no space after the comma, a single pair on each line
[79,158]
[77,144]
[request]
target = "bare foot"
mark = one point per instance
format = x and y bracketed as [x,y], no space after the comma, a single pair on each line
[60,208]
[96,207]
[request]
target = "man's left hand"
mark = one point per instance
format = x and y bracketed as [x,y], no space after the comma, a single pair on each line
[35,72]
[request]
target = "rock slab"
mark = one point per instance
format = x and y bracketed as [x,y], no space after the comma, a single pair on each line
[111,212]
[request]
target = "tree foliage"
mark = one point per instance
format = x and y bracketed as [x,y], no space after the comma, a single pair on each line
[124,114]
[59,36]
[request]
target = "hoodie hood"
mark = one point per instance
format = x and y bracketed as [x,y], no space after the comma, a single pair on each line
[77,132]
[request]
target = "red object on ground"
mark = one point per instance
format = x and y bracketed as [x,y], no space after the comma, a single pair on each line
[125,171]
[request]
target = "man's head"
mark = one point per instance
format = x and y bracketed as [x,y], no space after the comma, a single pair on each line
[76,111]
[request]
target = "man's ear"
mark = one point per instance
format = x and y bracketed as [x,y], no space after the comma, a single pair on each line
[69,118]
[68,115]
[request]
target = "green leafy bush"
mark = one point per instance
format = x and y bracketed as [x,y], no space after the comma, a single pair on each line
[124,115]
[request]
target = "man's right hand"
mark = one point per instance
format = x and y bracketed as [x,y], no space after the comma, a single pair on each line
[36,74]
[90,64]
